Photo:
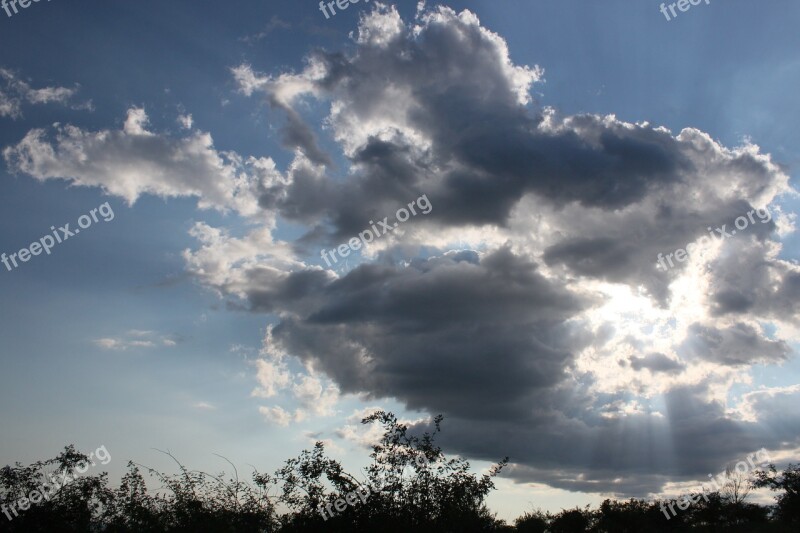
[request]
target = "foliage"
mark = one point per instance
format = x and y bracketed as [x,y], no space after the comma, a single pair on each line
[410,485]
[788,508]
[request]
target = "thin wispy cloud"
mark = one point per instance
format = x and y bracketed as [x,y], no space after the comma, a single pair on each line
[136,339]
[16,92]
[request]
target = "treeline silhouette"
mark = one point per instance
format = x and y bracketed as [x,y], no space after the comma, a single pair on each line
[409,486]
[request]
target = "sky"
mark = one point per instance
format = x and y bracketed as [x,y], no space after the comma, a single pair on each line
[288,221]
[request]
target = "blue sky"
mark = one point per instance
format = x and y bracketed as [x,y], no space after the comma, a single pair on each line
[138,334]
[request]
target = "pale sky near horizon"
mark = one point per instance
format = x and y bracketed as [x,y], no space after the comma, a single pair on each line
[562,145]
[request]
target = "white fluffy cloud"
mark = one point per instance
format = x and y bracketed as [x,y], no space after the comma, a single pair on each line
[134,161]
[271,377]
[276,415]
[314,395]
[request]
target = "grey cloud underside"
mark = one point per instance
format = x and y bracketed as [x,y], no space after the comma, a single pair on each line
[656,362]
[484,156]
[739,344]
[747,284]
[427,332]
[297,134]
[624,247]
[641,452]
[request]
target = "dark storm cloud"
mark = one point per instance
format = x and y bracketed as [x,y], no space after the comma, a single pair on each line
[491,341]
[457,126]
[427,332]
[595,164]
[739,344]
[291,291]
[747,283]
[626,247]
[488,343]
[631,456]
[307,195]
[656,362]
[592,256]
[297,134]
[489,149]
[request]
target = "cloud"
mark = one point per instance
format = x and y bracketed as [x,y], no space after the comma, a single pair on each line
[456,123]
[656,362]
[281,93]
[118,344]
[135,339]
[350,328]
[528,307]
[276,415]
[740,344]
[110,344]
[135,161]
[15,92]
[233,265]
[185,121]
[313,395]
[275,23]
[271,378]
[772,407]
[364,436]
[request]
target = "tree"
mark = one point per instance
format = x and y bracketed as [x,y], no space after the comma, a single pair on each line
[630,516]
[570,521]
[535,522]
[54,496]
[737,486]
[788,503]
[410,486]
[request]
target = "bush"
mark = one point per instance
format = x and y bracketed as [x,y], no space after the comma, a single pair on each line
[410,485]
